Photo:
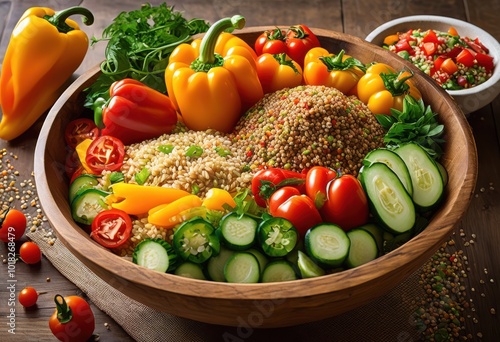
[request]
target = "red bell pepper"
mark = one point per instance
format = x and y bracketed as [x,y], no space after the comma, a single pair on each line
[294,41]
[136,112]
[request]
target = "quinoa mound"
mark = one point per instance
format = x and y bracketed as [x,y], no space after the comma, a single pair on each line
[297,128]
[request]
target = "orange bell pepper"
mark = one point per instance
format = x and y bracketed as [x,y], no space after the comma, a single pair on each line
[278,71]
[169,215]
[338,71]
[213,81]
[381,88]
[43,52]
[137,199]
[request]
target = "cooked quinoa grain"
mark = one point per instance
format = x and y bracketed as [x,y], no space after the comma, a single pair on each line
[305,126]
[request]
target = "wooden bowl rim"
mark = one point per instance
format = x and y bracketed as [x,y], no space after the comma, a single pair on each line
[106,261]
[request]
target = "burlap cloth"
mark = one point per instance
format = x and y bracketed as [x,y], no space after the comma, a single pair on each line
[389,318]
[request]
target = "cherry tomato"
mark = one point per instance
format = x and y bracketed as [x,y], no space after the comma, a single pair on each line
[280,196]
[105,153]
[79,130]
[111,228]
[28,297]
[13,225]
[73,319]
[267,181]
[347,204]
[301,211]
[317,179]
[30,253]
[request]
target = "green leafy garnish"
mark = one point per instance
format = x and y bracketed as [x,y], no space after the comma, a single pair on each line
[416,123]
[139,44]
[142,176]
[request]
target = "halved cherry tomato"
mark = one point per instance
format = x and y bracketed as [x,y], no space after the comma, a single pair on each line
[347,204]
[105,153]
[30,253]
[280,196]
[317,179]
[301,211]
[13,225]
[28,297]
[111,228]
[449,66]
[466,58]
[79,130]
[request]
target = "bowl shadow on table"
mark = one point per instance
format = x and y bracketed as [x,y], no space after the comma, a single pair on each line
[296,302]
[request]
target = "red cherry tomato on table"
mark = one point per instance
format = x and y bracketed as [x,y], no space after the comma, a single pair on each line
[78,130]
[105,153]
[28,297]
[13,225]
[111,228]
[73,319]
[317,178]
[301,211]
[346,204]
[30,253]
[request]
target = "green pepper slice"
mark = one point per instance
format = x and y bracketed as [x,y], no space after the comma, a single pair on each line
[196,241]
[277,236]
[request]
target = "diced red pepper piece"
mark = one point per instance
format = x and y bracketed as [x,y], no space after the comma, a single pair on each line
[429,48]
[485,60]
[438,61]
[449,66]
[453,53]
[478,42]
[466,58]
[431,37]
[403,45]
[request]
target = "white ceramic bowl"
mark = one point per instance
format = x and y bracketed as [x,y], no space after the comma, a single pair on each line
[470,99]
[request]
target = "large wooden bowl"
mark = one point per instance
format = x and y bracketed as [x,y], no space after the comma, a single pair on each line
[271,304]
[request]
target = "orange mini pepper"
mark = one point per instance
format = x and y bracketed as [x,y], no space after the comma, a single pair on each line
[44,50]
[211,89]
[340,71]
[169,215]
[278,71]
[381,88]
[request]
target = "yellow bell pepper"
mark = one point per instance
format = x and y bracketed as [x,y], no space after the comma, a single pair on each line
[381,88]
[45,49]
[217,199]
[137,199]
[338,71]
[81,151]
[213,81]
[169,215]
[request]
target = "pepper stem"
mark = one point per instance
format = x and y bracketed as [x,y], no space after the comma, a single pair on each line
[64,313]
[59,18]
[207,46]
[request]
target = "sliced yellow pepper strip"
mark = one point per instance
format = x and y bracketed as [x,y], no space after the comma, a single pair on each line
[81,151]
[216,198]
[139,199]
[168,215]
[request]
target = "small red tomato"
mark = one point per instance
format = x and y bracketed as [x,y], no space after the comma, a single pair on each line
[301,211]
[347,204]
[28,297]
[30,253]
[13,226]
[73,319]
[280,196]
[317,179]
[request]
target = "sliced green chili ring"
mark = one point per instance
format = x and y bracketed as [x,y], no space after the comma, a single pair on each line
[196,241]
[167,149]
[277,236]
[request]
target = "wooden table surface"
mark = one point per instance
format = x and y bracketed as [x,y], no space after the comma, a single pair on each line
[479,228]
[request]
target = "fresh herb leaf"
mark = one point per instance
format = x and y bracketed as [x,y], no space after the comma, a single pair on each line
[142,176]
[139,44]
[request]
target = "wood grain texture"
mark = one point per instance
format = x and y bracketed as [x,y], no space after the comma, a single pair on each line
[316,298]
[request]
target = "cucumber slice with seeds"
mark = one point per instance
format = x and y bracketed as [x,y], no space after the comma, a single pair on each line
[307,267]
[327,244]
[278,270]
[155,254]
[363,248]
[242,267]
[190,270]
[238,232]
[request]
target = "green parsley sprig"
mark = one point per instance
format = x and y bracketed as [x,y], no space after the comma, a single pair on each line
[415,122]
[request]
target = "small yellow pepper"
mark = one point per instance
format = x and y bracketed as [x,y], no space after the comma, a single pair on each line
[135,199]
[213,81]
[381,88]
[217,199]
[81,151]
[169,215]
[338,71]
[45,49]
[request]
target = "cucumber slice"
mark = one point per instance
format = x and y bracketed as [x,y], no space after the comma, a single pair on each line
[327,244]
[444,173]
[387,197]
[88,204]
[307,267]
[155,254]
[238,232]
[378,234]
[394,162]
[428,185]
[80,184]
[190,270]
[363,248]
[261,257]
[278,270]
[242,267]
[215,265]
